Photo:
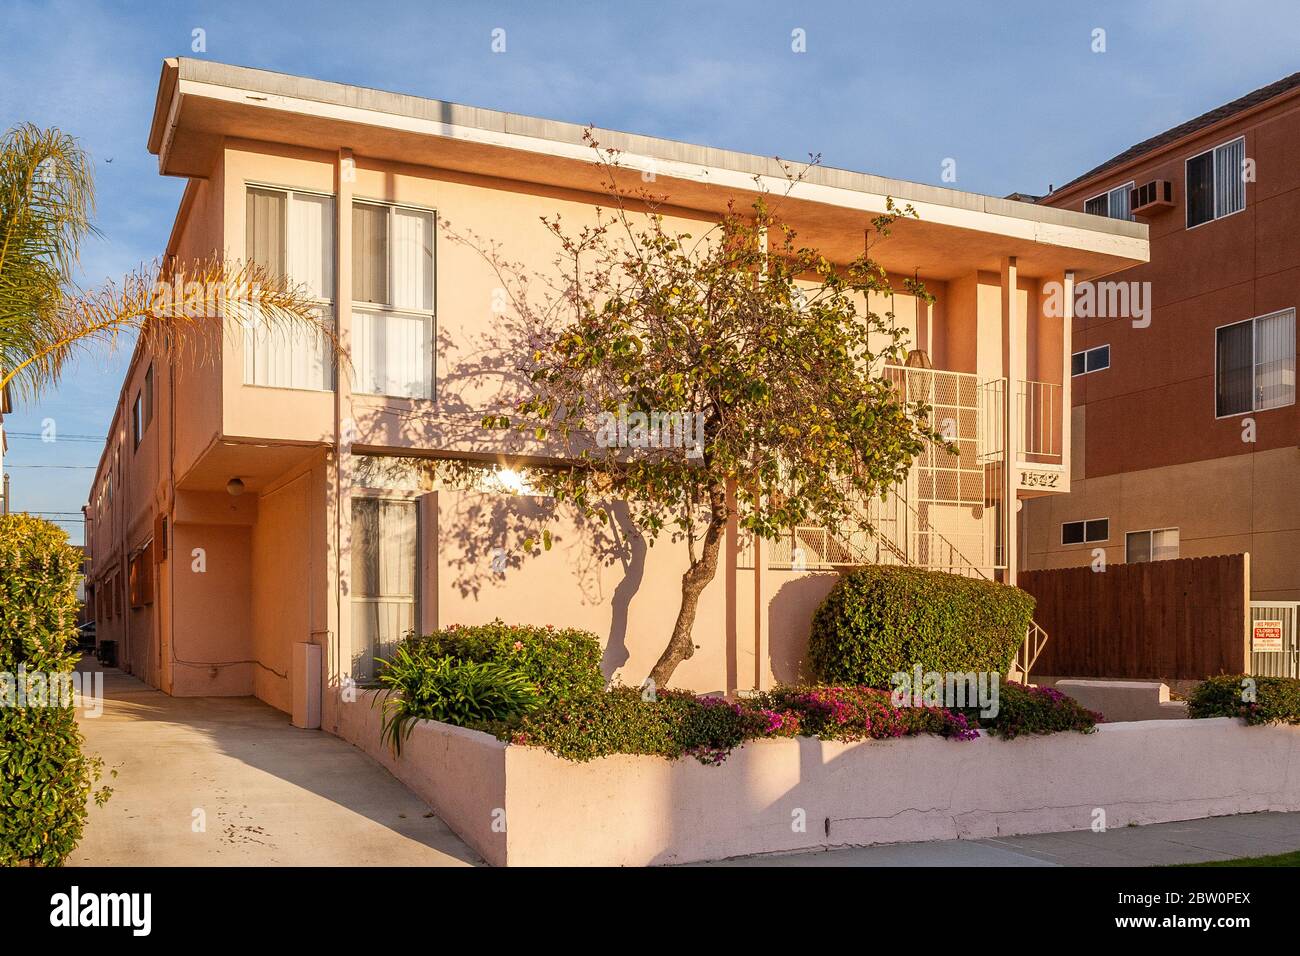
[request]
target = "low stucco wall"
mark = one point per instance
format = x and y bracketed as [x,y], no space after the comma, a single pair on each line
[803,794]
[460,773]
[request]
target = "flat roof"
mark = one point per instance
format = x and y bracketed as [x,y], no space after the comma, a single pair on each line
[200,102]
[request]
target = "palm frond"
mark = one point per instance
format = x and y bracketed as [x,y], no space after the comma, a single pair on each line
[46,204]
[181,308]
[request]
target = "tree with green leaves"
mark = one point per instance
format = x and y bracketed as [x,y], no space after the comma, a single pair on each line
[769,355]
[47,203]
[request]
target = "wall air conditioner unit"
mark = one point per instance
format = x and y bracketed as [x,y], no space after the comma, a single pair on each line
[1151,198]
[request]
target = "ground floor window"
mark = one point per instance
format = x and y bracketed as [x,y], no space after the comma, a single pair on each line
[385,578]
[1156,545]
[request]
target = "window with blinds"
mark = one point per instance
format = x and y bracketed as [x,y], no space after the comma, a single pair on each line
[1254,364]
[1216,185]
[1156,545]
[1114,203]
[385,576]
[393,310]
[290,232]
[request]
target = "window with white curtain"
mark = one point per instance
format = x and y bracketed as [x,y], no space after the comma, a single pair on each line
[1156,545]
[1216,184]
[291,232]
[393,300]
[1113,203]
[385,576]
[1254,364]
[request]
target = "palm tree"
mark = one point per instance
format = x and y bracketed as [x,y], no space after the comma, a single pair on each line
[47,201]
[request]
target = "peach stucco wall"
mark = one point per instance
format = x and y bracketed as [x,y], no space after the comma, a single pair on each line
[617,585]
[525,807]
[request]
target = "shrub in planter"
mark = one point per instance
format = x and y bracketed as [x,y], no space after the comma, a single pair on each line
[561,664]
[421,687]
[45,778]
[1276,699]
[880,620]
[1024,710]
[623,721]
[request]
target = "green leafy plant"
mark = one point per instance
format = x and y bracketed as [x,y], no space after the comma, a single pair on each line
[1024,711]
[45,778]
[1256,700]
[881,620]
[560,663]
[623,720]
[420,687]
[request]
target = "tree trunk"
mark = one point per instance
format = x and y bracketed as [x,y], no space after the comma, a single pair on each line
[694,581]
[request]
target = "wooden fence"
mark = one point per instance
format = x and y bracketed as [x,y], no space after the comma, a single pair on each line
[1184,619]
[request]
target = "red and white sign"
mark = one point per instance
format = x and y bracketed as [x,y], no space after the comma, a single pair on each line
[1266,636]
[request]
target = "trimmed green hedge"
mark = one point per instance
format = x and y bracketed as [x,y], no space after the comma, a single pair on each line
[879,620]
[561,664]
[45,779]
[1276,700]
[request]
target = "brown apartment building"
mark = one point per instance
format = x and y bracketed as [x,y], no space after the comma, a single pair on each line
[1184,417]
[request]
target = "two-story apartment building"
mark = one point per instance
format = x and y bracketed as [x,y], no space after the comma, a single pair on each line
[257,509]
[1184,397]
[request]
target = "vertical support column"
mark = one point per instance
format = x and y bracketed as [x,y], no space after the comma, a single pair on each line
[731,555]
[1013,366]
[1067,389]
[339,470]
[761,643]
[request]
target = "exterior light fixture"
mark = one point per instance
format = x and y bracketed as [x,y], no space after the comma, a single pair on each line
[235,487]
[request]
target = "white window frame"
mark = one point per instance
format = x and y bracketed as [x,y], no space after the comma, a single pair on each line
[1151,545]
[1254,367]
[1109,194]
[1086,540]
[1214,184]
[431,314]
[327,303]
[1085,353]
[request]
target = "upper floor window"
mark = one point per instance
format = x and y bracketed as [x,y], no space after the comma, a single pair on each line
[1085,532]
[1155,545]
[1216,184]
[1113,203]
[393,300]
[142,409]
[1090,360]
[1254,364]
[290,232]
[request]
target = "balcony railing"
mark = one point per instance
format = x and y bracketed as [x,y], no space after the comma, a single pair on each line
[1039,411]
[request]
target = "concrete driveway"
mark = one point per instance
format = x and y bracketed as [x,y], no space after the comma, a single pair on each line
[227,781]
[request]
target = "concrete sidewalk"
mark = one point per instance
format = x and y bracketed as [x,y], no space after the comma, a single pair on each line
[1159,844]
[266,792]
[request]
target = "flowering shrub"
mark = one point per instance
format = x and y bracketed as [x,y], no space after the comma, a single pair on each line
[855,713]
[561,664]
[1026,710]
[678,723]
[1256,700]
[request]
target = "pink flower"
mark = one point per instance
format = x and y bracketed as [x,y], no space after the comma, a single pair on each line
[519,645]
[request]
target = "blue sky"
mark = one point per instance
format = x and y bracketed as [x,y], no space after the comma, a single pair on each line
[1012,91]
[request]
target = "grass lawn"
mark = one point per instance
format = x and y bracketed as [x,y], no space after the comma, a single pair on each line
[1281,859]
